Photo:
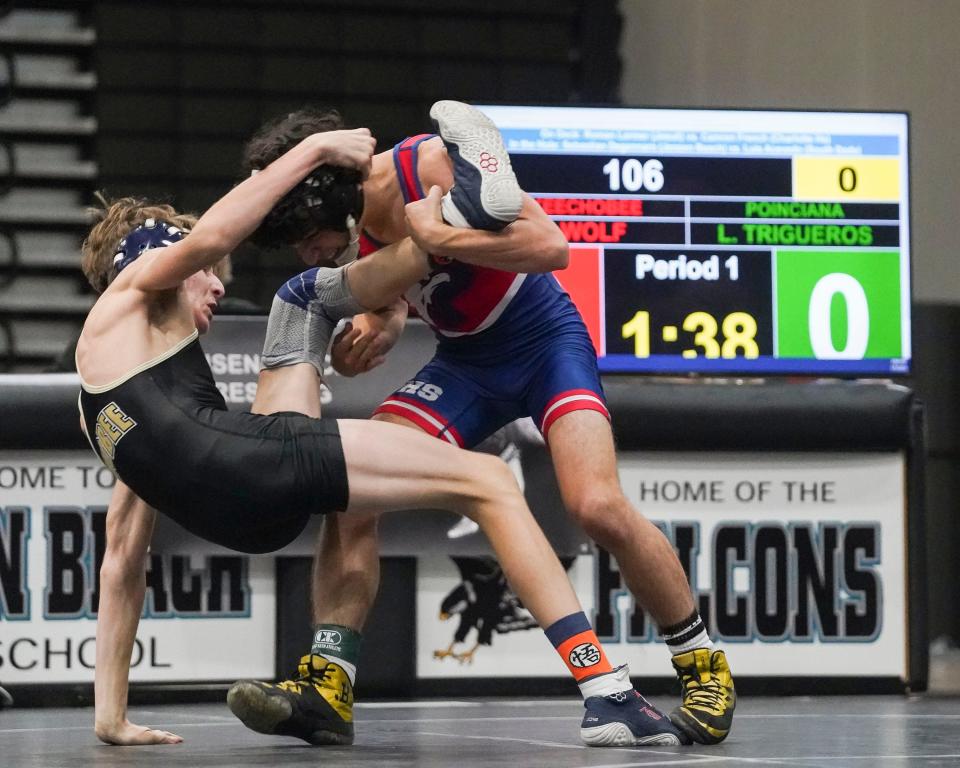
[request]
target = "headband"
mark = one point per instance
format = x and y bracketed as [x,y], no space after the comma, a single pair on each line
[150,234]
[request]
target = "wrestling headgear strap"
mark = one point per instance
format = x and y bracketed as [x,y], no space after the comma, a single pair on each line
[333,195]
[351,250]
[150,234]
[330,198]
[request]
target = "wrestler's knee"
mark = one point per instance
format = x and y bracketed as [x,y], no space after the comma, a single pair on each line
[604,514]
[351,528]
[303,316]
[487,479]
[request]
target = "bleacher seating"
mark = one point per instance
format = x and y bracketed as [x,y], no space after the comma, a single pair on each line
[47,175]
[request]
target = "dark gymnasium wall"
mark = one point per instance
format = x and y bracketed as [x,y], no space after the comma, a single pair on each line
[184,84]
[936,364]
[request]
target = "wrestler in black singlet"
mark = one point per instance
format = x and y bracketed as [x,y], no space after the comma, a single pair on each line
[242,480]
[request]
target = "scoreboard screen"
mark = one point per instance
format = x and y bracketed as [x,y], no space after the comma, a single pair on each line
[723,241]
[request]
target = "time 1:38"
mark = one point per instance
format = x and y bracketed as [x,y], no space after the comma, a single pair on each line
[739,331]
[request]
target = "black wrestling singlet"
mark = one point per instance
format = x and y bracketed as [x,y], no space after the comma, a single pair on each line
[241,480]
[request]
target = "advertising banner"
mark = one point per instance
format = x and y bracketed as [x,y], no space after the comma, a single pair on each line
[796,561]
[205,617]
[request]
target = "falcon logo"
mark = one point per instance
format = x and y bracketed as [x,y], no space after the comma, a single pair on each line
[485,606]
[112,425]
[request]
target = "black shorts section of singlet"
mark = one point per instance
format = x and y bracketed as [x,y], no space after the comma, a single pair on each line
[245,481]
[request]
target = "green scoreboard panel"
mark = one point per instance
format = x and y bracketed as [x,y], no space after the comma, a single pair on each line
[726,241]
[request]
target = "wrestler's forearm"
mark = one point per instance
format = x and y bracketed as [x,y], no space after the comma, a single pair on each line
[236,215]
[121,602]
[379,279]
[531,244]
[122,588]
[518,248]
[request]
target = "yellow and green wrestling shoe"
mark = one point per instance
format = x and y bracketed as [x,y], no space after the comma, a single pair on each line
[708,695]
[316,706]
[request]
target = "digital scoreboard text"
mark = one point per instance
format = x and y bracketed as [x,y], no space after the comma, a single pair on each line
[719,241]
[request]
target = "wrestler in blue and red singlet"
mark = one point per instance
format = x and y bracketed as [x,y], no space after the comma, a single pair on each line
[509,345]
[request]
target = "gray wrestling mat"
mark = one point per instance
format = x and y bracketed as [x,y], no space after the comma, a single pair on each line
[825,732]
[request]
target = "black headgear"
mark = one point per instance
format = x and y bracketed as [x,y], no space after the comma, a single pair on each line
[327,199]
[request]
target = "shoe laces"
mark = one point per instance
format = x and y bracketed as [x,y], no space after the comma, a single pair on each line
[307,676]
[711,694]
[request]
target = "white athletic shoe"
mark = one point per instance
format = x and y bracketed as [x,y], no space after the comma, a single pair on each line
[485,192]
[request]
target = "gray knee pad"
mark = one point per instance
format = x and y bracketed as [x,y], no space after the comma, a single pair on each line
[304,314]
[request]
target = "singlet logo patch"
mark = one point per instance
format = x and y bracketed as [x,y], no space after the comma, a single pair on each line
[112,425]
[421,294]
[421,389]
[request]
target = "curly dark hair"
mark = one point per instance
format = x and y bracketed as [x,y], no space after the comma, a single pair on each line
[323,200]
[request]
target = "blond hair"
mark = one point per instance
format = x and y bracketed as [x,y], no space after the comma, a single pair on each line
[115,219]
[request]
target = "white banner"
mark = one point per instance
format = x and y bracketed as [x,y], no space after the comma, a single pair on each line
[205,617]
[797,562]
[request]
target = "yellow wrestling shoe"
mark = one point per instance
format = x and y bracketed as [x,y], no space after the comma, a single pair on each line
[708,695]
[316,706]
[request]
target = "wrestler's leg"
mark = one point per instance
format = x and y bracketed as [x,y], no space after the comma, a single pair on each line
[346,566]
[346,569]
[392,467]
[293,388]
[581,444]
[568,398]
[301,324]
[317,704]
[389,467]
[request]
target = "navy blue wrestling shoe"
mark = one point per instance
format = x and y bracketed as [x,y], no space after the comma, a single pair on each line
[626,719]
[316,706]
[485,193]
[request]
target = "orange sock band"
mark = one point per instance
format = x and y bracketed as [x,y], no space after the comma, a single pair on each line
[578,646]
